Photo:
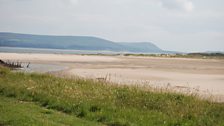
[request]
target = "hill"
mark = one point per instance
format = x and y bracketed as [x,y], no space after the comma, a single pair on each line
[141,47]
[74,43]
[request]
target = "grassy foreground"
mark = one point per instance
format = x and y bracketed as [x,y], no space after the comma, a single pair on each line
[39,99]
[20,113]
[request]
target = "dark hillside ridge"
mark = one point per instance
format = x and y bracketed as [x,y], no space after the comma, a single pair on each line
[141,47]
[75,43]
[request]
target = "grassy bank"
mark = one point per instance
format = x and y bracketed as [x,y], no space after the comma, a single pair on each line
[19,113]
[105,104]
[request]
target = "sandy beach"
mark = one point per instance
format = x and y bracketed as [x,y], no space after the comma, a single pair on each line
[204,76]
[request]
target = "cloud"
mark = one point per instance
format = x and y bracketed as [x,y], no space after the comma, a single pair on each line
[73,1]
[183,5]
[70,1]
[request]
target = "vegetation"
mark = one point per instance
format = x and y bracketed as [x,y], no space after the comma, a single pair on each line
[189,55]
[73,43]
[88,101]
[20,113]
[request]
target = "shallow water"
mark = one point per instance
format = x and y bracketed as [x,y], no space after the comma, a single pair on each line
[42,68]
[51,51]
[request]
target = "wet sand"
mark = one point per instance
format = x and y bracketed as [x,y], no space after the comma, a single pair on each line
[204,76]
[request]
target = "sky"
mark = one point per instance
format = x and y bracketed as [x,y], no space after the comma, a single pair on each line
[177,25]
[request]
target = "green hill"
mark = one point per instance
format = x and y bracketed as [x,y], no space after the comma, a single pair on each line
[74,43]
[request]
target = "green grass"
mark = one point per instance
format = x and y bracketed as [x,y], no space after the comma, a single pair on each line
[20,113]
[107,104]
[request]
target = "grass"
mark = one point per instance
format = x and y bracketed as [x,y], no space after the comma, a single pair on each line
[20,113]
[102,103]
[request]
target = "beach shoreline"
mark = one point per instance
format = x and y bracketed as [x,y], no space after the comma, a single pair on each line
[203,76]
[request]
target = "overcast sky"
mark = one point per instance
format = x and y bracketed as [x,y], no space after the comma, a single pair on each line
[178,25]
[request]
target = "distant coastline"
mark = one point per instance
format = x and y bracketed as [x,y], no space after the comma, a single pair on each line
[85,43]
[52,51]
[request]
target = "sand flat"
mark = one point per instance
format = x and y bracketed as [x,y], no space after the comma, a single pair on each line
[55,57]
[206,76]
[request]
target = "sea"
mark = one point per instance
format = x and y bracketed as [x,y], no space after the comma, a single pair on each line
[46,68]
[52,51]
